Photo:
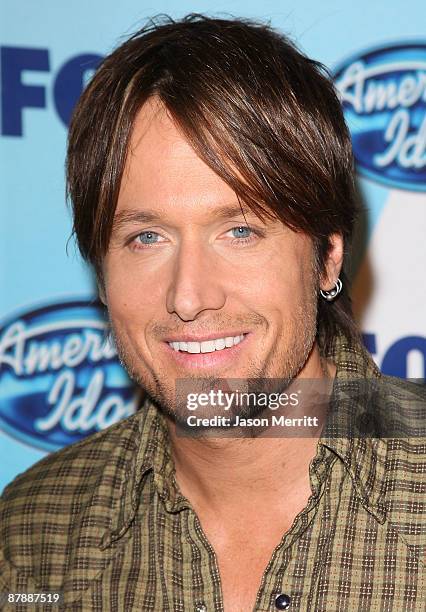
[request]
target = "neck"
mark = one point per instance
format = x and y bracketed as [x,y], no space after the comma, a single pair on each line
[223,473]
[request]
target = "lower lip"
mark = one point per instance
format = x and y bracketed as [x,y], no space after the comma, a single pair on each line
[208,360]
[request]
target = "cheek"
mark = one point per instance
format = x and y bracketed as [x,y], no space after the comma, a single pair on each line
[280,283]
[282,293]
[133,297]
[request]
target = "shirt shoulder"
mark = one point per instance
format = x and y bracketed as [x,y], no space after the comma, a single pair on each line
[405,468]
[402,410]
[63,505]
[71,469]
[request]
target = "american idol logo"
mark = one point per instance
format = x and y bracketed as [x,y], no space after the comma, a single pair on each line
[60,378]
[383,92]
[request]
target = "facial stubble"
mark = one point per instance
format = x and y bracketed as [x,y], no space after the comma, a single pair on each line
[282,365]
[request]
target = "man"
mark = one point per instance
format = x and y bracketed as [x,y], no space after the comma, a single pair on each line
[210,172]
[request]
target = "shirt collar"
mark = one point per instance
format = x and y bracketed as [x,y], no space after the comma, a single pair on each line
[354,392]
[146,448]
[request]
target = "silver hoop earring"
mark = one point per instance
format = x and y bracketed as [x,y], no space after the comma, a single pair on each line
[330,295]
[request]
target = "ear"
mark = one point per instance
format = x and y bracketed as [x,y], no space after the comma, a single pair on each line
[333,262]
[101,289]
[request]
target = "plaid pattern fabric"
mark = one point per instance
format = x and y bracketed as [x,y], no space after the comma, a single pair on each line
[104,521]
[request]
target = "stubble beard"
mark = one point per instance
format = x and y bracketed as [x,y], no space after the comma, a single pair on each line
[279,369]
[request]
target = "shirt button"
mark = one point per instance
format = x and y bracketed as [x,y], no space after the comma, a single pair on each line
[201,607]
[282,602]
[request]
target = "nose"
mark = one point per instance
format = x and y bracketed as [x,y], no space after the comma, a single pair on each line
[196,283]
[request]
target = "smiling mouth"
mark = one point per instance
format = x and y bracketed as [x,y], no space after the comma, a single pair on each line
[207,346]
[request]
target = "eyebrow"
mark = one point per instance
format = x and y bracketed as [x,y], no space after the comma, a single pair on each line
[127,217]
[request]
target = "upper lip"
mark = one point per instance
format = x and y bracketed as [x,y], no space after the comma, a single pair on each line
[212,336]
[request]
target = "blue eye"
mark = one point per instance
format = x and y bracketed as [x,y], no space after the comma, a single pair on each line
[147,237]
[241,232]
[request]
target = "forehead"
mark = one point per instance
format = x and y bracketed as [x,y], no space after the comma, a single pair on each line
[163,171]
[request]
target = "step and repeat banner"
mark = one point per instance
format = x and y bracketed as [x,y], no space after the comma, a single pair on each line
[60,379]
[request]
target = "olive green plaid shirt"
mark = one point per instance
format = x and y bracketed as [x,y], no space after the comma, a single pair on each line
[103,521]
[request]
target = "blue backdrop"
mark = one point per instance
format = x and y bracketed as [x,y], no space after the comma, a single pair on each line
[59,380]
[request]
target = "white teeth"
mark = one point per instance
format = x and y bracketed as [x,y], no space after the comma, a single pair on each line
[219,344]
[193,347]
[208,346]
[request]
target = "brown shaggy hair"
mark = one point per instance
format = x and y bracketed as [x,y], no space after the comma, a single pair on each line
[261,114]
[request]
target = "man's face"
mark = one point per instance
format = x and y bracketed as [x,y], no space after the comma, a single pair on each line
[187,270]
